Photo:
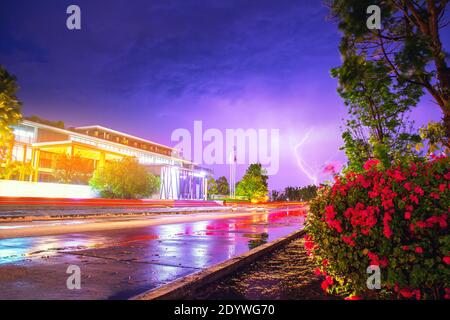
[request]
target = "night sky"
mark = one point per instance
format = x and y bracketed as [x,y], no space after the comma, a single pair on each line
[147,67]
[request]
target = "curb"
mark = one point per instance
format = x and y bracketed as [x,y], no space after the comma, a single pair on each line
[183,287]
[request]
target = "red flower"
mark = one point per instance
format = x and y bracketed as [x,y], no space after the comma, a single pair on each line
[373,194]
[406,293]
[398,176]
[324,285]
[419,250]
[419,191]
[417,294]
[349,239]
[442,187]
[446,260]
[386,229]
[317,272]
[407,215]
[353,298]
[434,195]
[441,220]
[414,198]
[405,248]
[371,164]
[309,244]
[375,261]
[329,280]
[421,224]
[329,212]
[447,293]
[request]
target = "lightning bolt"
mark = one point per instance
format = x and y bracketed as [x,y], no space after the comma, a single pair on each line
[306,169]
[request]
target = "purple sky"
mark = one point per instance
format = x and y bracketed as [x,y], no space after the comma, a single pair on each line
[149,67]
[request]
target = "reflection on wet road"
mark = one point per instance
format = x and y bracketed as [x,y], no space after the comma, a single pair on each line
[122,263]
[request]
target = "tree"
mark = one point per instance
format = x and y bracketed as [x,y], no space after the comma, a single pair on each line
[434,136]
[72,169]
[9,113]
[295,194]
[223,186]
[212,187]
[253,186]
[58,124]
[15,170]
[377,126]
[124,179]
[408,44]
[277,196]
[308,193]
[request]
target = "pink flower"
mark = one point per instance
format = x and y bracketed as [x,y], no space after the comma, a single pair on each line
[407,215]
[329,168]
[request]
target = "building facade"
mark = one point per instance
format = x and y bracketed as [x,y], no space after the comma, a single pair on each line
[38,147]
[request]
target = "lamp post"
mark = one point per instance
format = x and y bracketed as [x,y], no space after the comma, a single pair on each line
[233,173]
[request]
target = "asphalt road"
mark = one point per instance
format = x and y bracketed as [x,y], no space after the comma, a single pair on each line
[120,263]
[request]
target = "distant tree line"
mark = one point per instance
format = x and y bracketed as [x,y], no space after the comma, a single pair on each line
[295,194]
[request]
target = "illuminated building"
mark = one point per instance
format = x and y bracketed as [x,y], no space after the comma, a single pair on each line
[39,146]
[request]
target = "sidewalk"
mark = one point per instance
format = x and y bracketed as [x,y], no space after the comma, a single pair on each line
[286,274]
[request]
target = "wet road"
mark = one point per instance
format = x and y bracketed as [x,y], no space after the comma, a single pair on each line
[117,264]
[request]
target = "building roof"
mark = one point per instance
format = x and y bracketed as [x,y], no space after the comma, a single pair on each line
[122,134]
[80,134]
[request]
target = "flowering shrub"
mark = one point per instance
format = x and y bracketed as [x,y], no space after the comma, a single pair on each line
[396,218]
